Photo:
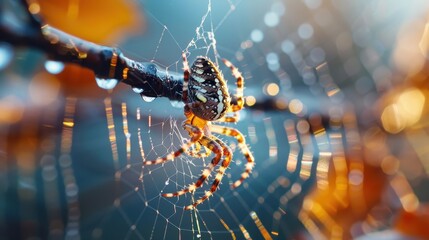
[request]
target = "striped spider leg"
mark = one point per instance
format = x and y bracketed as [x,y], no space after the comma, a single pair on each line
[239,103]
[233,116]
[214,147]
[196,135]
[231,132]
[196,151]
[220,173]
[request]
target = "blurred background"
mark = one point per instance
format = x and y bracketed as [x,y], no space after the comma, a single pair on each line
[335,116]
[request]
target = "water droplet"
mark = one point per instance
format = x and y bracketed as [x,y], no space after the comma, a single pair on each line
[211,36]
[106,83]
[167,182]
[138,90]
[177,104]
[6,54]
[54,67]
[147,99]
[198,235]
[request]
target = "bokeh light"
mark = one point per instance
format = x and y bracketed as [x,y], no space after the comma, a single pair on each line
[6,54]
[44,89]
[12,109]
[296,106]
[272,89]
[257,35]
[271,19]
[404,112]
[250,101]
[305,31]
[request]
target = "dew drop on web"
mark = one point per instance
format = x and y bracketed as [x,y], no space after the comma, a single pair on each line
[148,99]
[106,83]
[138,90]
[54,67]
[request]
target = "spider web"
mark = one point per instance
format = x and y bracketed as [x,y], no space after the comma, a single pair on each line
[296,155]
[106,192]
[258,209]
[242,213]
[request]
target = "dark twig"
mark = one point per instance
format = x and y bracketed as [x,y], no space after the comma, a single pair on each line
[105,62]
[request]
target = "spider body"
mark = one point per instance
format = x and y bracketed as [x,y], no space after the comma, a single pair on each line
[208,90]
[207,100]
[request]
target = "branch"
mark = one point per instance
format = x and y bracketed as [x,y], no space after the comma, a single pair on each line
[105,62]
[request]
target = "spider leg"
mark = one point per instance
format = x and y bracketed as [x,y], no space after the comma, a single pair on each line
[216,148]
[230,117]
[238,105]
[196,135]
[185,78]
[243,148]
[197,151]
[220,173]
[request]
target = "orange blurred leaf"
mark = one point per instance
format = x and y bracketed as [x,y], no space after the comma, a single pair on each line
[102,22]
[98,21]
[415,223]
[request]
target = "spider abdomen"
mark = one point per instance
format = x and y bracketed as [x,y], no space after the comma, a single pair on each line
[208,88]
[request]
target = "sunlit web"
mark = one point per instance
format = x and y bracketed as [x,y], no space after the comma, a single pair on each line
[256,209]
[285,69]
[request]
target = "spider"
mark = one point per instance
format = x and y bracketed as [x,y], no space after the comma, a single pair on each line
[207,100]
